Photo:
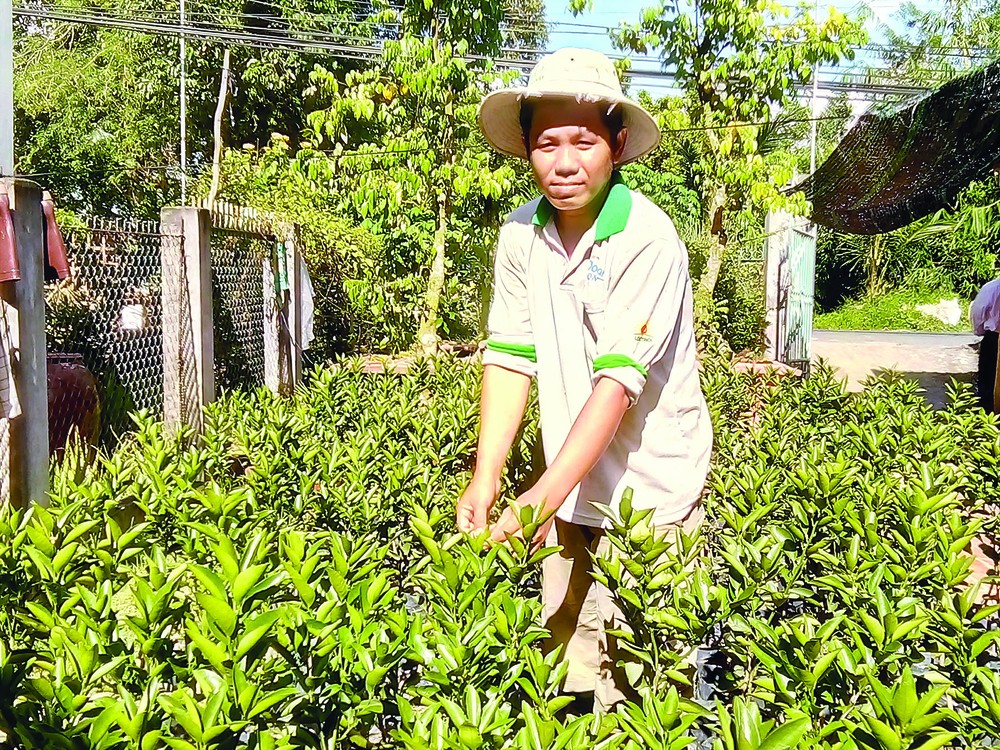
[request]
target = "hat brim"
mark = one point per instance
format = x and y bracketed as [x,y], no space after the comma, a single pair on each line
[500,121]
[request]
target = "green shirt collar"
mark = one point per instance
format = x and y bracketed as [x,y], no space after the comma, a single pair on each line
[610,221]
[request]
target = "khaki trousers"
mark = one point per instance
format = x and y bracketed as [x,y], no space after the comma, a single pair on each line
[578,611]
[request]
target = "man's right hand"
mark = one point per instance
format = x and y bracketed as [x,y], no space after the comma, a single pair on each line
[475,504]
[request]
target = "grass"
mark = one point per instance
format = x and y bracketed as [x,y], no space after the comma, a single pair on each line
[894,311]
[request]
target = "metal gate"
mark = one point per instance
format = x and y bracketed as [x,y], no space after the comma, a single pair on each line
[791,288]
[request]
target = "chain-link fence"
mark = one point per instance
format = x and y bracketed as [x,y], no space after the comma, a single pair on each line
[240,245]
[104,331]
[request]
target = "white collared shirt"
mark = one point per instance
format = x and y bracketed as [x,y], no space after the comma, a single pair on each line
[620,306]
[984,311]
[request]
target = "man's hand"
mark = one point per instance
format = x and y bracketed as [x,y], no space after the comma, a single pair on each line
[590,436]
[475,504]
[509,525]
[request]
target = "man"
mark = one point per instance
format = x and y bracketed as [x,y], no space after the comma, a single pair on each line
[984,313]
[591,296]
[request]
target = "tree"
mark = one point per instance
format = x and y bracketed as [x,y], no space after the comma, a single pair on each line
[737,63]
[944,42]
[405,149]
[97,107]
[882,257]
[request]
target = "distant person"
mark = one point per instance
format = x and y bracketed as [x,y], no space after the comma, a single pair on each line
[592,297]
[985,315]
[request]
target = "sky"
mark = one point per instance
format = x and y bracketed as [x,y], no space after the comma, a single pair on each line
[585,31]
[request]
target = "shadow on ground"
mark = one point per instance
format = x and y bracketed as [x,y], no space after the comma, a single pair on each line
[933,384]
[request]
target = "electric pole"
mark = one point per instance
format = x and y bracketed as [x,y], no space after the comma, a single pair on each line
[812,108]
[183,104]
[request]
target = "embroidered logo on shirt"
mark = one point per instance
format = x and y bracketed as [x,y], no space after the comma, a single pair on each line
[643,333]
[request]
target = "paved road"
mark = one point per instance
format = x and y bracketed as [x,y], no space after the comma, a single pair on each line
[932,359]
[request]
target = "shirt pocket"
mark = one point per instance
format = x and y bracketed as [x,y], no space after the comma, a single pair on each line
[593,322]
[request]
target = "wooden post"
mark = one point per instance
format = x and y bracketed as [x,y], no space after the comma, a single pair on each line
[23,316]
[283,313]
[293,247]
[273,304]
[188,333]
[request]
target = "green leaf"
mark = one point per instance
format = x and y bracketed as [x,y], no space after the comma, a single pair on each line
[81,529]
[938,741]
[271,699]
[874,627]
[256,630]
[215,654]
[63,557]
[788,735]
[246,580]
[905,700]
[219,611]
[886,735]
[211,581]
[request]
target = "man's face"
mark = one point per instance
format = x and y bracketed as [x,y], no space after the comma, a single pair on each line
[572,155]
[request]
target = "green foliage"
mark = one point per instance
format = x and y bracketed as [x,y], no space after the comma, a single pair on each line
[737,64]
[97,107]
[399,141]
[291,580]
[939,44]
[952,250]
[894,311]
[740,304]
[836,581]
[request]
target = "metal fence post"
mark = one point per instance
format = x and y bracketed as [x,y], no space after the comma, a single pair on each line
[23,301]
[188,333]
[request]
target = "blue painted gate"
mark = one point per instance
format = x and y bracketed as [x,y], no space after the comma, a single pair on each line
[791,288]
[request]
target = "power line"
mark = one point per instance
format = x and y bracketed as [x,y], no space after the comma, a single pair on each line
[364,53]
[339,21]
[266,41]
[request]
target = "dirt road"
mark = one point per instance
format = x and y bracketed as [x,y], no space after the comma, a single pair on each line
[932,359]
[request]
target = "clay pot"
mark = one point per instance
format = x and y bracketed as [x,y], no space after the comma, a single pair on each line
[74,403]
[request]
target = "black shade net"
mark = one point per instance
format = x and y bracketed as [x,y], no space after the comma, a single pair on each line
[891,170]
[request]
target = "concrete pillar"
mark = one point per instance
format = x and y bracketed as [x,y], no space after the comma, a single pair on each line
[27,454]
[188,333]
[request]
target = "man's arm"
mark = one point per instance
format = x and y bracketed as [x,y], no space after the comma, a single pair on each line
[504,397]
[590,436]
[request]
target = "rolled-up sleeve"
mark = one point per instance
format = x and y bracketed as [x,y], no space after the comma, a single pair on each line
[649,303]
[510,344]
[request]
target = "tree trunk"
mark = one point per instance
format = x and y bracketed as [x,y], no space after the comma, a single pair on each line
[486,287]
[427,333]
[716,247]
[875,263]
[220,112]
[427,336]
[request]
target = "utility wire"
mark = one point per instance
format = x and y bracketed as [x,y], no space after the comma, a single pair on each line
[354,52]
[290,20]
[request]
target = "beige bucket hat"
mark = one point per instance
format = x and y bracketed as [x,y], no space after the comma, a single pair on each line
[581,74]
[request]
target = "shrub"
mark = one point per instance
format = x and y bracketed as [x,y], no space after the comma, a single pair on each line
[740,304]
[895,311]
[342,258]
[292,580]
